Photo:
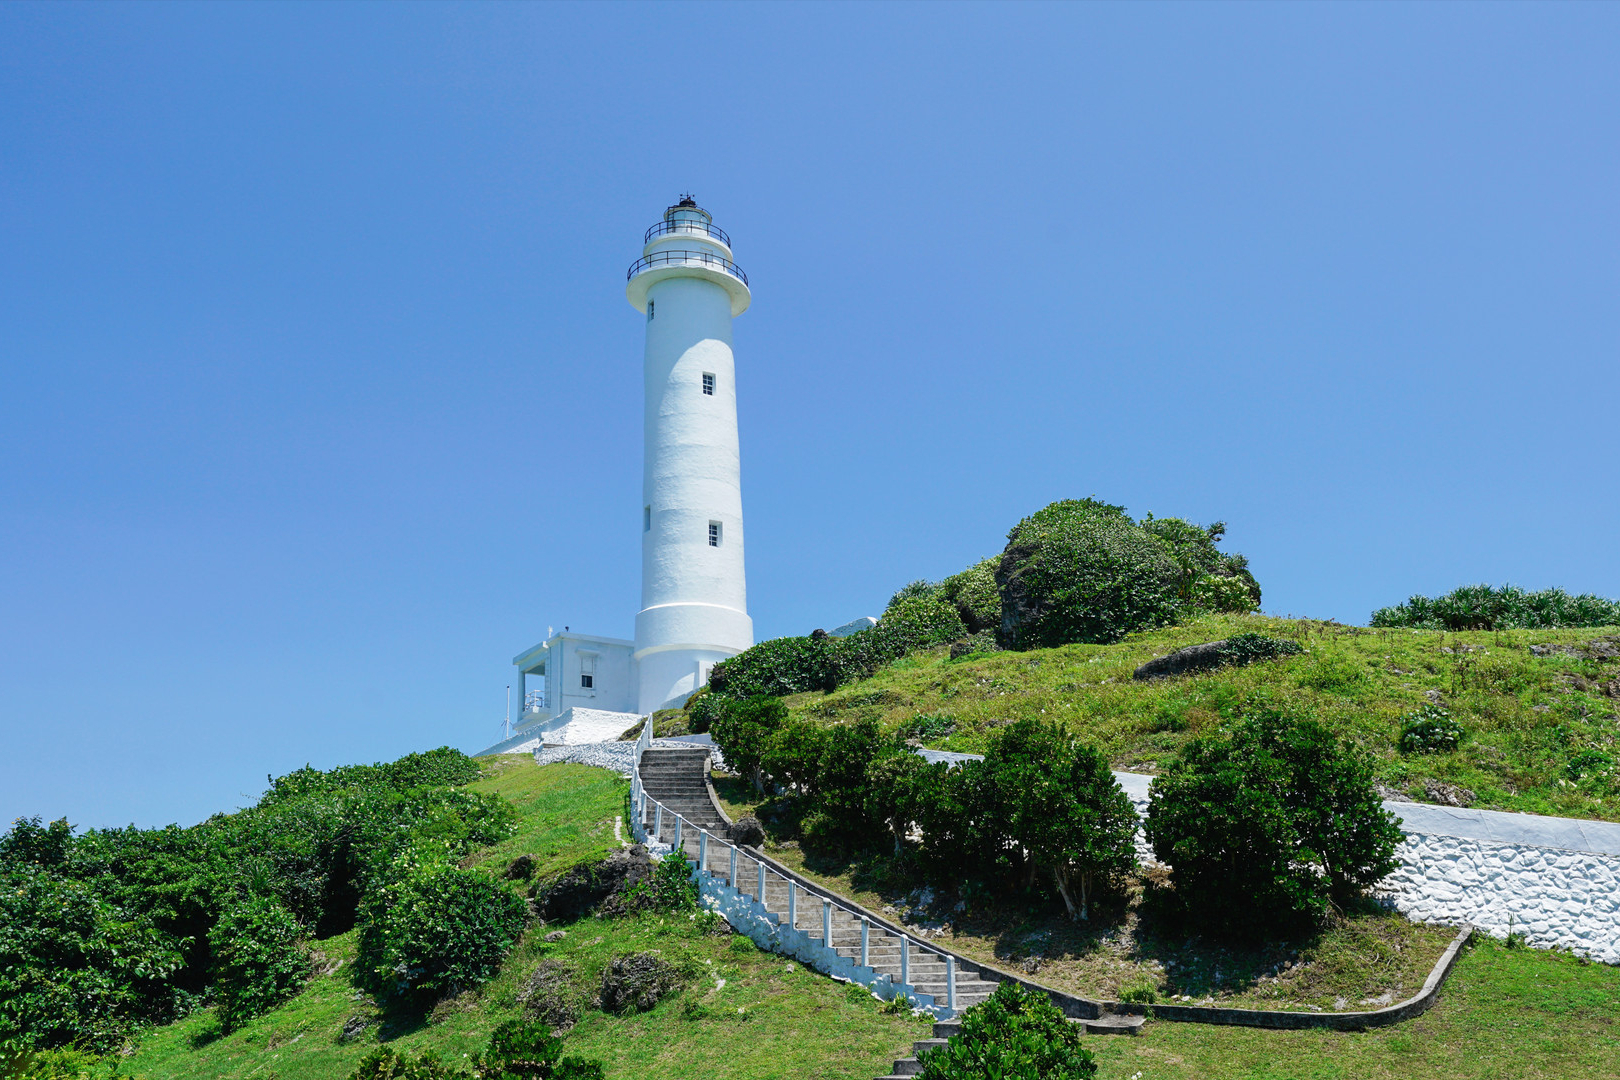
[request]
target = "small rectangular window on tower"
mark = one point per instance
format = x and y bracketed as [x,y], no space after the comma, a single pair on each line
[714,534]
[649,311]
[646,519]
[708,383]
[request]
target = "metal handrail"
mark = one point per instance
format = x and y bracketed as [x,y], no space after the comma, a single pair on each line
[686,258]
[686,225]
[643,802]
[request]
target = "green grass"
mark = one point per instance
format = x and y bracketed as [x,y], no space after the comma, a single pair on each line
[1527,716]
[793,1024]
[1504,1014]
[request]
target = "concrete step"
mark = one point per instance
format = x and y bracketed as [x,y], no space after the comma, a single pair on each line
[1109,1024]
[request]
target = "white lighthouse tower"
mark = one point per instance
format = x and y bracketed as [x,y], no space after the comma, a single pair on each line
[694,603]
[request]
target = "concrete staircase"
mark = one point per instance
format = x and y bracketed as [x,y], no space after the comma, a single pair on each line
[678,778]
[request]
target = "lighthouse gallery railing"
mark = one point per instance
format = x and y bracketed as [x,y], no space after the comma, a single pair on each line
[686,258]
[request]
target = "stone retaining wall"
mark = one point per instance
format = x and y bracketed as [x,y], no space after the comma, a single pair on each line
[1554,897]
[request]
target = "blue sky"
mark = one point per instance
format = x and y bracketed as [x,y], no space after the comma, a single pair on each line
[321,396]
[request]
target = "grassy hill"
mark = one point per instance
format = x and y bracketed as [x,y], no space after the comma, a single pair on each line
[1542,729]
[750,1015]
[1505,1013]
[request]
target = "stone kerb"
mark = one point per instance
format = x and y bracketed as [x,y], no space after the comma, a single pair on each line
[1287,1020]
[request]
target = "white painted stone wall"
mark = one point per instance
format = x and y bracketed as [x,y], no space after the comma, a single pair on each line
[1554,897]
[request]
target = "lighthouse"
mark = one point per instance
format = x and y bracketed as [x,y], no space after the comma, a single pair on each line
[694,603]
[694,599]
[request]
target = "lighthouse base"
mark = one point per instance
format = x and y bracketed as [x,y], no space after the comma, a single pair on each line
[671,675]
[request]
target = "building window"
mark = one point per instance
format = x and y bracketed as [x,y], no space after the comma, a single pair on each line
[646,519]
[585,680]
[649,311]
[708,383]
[714,534]
[587,671]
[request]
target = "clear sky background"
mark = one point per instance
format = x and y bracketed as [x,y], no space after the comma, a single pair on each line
[320,398]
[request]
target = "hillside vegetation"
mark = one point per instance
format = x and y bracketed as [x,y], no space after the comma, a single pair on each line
[1537,708]
[744,1014]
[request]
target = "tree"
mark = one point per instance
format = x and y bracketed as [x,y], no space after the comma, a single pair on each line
[1082,571]
[1273,823]
[742,731]
[1064,807]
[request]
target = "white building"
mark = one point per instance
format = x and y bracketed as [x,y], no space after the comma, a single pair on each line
[694,602]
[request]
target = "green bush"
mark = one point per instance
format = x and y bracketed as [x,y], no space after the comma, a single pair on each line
[794,665]
[911,623]
[1269,826]
[975,594]
[1481,607]
[1216,592]
[1014,1035]
[386,1063]
[1429,730]
[525,1050]
[743,731]
[1063,806]
[776,668]
[914,590]
[792,755]
[1082,571]
[518,1050]
[113,930]
[1243,649]
[259,959]
[436,930]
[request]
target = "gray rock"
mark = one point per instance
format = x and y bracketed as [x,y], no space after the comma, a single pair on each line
[521,868]
[1204,657]
[585,886]
[1438,791]
[636,982]
[549,997]
[746,831]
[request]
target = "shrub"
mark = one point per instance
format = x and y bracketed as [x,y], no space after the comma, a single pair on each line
[259,959]
[1014,1035]
[1243,649]
[1082,571]
[437,930]
[792,755]
[1429,730]
[911,623]
[1481,607]
[975,595]
[912,591]
[1216,592]
[701,710]
[1064,807]
[1270,825]
[743,730]
[386,1063]
[525,1050]
[776,668]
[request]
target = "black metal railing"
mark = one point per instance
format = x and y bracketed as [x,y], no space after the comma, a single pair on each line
[686,258]
[687,225]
